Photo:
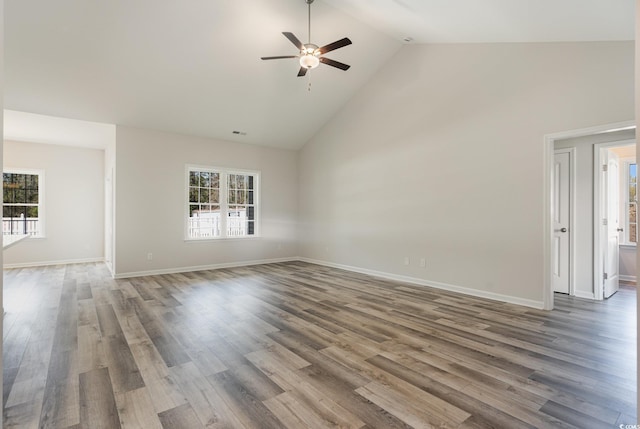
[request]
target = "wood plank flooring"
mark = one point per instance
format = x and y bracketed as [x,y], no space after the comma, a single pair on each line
[296,345]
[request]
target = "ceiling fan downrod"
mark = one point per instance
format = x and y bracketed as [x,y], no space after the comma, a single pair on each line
[309,20]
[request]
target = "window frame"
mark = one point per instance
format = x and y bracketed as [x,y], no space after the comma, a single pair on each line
[224,201]
[41,196]
[627,182]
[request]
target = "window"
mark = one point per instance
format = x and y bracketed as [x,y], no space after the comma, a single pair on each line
[221,203]
[631,204]
[22,211]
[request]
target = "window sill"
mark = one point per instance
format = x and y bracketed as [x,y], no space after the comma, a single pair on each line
[11,240]
[628,246]
[31,237]
[223,239]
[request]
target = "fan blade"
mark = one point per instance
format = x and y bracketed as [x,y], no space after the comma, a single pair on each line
[279,58]
[294,40]
[335,45]
[334,63]
[303,71]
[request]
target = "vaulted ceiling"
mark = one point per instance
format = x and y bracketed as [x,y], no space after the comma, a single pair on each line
[194,67]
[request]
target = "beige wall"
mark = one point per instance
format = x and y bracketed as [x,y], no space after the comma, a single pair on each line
[440,156]
[74,203]
[109,204]
[150,202]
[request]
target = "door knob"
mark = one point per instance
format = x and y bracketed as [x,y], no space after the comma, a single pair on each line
[563,229]
[620,230]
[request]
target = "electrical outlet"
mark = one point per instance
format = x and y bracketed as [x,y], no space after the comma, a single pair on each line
[423,262]
[149,256]
[407,260]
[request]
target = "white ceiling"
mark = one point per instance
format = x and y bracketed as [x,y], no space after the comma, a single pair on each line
[34,128]
[496,21]
[194,67]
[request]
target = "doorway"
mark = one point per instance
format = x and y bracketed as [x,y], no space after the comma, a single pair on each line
[615,233]
[581,234]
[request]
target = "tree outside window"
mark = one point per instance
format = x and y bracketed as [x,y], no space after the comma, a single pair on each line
[22,199]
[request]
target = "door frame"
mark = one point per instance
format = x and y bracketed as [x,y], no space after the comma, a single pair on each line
[572,213]
[547,221]
[598,239]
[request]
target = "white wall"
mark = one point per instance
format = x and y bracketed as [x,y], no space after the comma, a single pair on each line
[74,203]
[583,229]
[440,156]
[109,204]
[150,202]
[628,267]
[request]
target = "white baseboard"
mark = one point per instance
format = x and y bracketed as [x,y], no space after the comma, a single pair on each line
[110,268]
[438,285]
[48,263]
[177,270]
[628,278]
[396,277]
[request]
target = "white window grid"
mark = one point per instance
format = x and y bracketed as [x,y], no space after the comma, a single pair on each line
[225,216]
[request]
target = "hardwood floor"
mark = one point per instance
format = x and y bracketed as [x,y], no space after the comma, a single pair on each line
[296,345]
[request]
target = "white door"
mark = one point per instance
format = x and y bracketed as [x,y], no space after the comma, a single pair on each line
[611,193]
[561,216]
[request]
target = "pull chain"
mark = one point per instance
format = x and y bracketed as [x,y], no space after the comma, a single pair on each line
[309,27]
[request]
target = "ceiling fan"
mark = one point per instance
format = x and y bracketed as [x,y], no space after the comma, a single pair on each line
[311,55]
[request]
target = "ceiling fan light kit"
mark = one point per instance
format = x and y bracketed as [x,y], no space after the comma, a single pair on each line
[311,55]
